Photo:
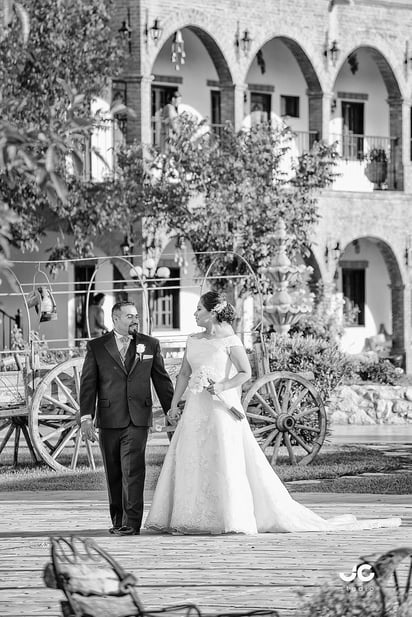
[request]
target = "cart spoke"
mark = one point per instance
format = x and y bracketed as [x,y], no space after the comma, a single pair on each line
[265,429]
[276,446]
[76,374]
[260,418]
[297,401]
[64,442]
[288,445]
[90,454]
[58,431]
[51,416]
[266,405]
[7,436]
[300,441]
[58,403]
[286,396]
[306,427]
[268,439]
[66,392]
[76,451]
[306,412]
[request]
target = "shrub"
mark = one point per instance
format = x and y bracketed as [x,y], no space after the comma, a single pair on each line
[325,320]
[380,371]
[298,353]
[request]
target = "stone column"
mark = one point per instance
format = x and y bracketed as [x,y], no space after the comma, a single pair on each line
[319,113]
[398,317]
[398,119]
[139,98]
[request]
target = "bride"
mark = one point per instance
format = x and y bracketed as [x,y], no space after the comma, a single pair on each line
[215,478]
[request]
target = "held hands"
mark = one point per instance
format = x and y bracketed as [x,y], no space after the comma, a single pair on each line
[173,415]
[88,431]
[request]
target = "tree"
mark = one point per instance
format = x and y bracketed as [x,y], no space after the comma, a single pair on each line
[54,60]
[244,186]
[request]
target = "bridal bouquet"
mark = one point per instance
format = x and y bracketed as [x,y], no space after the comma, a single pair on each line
[203,378]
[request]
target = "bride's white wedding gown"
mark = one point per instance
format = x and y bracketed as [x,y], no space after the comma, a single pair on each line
[215,478]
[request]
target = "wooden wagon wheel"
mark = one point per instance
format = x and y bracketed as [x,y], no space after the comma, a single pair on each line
[54,419]
[285,409]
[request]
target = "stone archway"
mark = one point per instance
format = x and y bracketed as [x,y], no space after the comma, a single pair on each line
[397,288]
[313,89]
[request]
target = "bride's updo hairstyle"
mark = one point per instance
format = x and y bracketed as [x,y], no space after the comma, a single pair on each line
[216,303]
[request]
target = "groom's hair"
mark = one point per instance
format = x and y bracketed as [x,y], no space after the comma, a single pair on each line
[116,310]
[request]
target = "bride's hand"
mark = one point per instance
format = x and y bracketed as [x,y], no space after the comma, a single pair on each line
[215,388]
[174,415]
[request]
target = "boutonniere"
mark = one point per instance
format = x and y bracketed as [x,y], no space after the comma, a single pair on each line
[140,349]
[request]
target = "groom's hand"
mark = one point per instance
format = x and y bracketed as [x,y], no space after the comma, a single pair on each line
[87,430]
[174,415]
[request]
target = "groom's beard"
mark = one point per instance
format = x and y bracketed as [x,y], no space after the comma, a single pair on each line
[134,329]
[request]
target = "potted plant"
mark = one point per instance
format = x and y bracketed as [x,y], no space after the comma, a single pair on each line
[376,169]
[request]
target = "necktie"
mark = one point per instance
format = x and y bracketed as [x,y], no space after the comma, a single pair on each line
[125,345]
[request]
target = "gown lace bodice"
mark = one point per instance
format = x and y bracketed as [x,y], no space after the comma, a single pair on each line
[215,478]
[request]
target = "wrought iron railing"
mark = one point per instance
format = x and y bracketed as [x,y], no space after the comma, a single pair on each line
[369,148]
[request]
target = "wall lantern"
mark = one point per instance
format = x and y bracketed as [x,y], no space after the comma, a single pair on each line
[332,52]
[178,50]
[243,43]
[125,31]
[155,31]
[332,252]
[126,246]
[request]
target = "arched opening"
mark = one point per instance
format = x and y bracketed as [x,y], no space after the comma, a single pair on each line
[366,121]
[196,68]
[370,283]
[283,88]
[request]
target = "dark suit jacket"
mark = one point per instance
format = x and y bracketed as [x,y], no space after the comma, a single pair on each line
[122,397]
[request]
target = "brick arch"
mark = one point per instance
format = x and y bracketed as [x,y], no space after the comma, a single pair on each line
[385,59]
[201,25]
[302,58]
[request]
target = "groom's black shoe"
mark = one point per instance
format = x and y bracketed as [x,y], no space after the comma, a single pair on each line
[126,531]
[114,529]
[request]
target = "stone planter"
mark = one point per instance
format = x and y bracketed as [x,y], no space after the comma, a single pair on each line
[370,404]
[377,172]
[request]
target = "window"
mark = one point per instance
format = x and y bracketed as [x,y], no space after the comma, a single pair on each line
[260,107]
[352,134]
[161,95]
[165,302]
[289,106]
[216,112]
[353,288]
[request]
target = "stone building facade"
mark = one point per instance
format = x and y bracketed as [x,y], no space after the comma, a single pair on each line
[337,70]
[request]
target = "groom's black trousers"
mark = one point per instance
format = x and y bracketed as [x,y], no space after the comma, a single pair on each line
[123,452]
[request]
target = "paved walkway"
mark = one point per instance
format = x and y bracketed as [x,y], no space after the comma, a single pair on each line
[219,573]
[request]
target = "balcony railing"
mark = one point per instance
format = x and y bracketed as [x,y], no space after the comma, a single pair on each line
[353,147]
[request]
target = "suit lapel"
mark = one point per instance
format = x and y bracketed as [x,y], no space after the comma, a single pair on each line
[111,347]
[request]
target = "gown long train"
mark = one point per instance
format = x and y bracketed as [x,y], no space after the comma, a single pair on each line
[215,478]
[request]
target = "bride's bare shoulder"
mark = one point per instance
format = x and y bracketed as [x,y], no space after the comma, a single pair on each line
[195,335]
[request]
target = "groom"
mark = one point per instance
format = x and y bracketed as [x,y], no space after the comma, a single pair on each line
[117,372]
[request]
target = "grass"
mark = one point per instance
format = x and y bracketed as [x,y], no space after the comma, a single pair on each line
[328,467]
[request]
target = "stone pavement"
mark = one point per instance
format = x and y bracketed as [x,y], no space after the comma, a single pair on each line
[218,573]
